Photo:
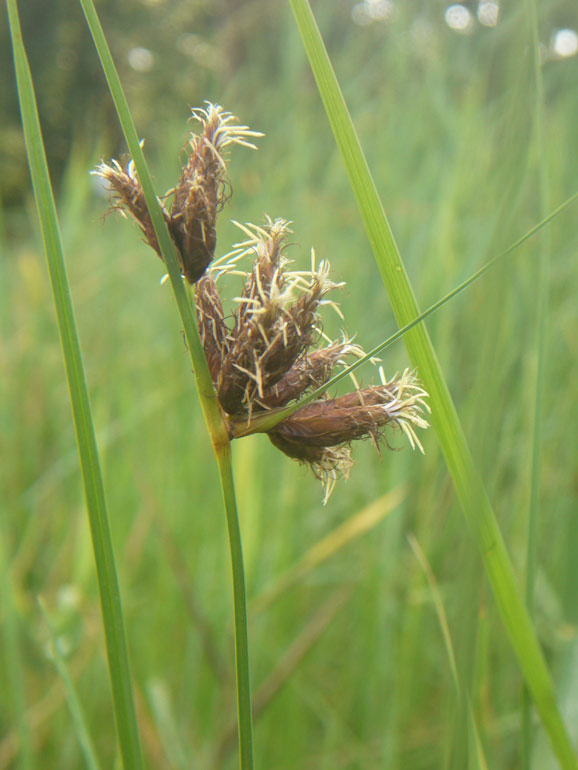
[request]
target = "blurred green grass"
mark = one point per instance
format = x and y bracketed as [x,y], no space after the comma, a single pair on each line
[447,127]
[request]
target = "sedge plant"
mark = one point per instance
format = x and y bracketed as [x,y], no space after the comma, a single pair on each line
[265,354]
[110,599]
[284,367]
[264,367]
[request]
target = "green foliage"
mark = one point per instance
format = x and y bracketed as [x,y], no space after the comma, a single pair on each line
[89,461]
[447,133]
[469,487]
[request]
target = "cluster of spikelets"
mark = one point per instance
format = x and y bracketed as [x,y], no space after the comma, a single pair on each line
[265,354]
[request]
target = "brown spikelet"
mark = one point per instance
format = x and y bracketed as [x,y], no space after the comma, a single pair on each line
[310,371]
[212,326]
[361,414]
[201,192]
[199,195]
[320,433]
[276,322]
[255,357]
[128,196]
[268,359]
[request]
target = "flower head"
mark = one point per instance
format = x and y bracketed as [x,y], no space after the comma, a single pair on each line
[267,352]
[266,356]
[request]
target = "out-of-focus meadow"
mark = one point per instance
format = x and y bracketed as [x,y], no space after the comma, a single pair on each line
[348,648]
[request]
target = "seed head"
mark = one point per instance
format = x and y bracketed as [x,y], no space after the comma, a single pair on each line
[266,356]
[275,323]
[128,196]
[266,352]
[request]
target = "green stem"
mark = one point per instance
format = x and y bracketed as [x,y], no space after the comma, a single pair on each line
[543,284]
[245,717]
[209,403]
[216,426]
[115,636]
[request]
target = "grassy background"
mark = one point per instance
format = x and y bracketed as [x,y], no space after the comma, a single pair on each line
[446,121]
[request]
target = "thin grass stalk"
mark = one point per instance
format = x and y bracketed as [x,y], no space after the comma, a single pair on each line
[115,637]
[543,288]
[244,708]
[463,696]
[468,484]
[216,427]
[79,720]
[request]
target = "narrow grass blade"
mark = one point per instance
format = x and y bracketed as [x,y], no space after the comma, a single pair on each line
[73,701]
[543,288]
[351,529]
[469,487]
[209,404]
[116,645]
[478,750]
[244,709]
[543,284]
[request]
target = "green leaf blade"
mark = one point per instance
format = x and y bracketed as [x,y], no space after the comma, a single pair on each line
[216,427]
[469,487]
[116,644]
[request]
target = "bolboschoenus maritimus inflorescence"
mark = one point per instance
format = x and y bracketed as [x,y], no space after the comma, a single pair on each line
[265,353]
